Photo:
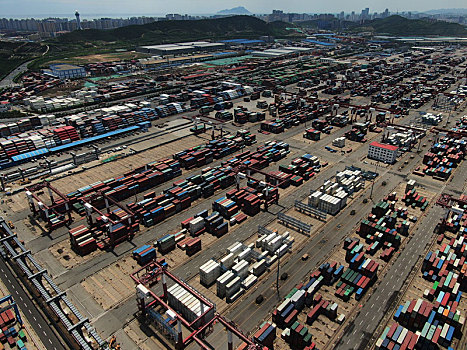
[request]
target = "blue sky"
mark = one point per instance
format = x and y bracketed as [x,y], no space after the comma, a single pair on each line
[128,7]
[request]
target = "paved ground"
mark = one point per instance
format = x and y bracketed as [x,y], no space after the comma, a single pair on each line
[318,247]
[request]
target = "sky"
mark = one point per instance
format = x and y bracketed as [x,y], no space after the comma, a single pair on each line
[30,8]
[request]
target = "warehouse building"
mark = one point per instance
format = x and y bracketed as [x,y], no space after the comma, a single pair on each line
[284,51]
[382,152]
[66,71]
[181,48]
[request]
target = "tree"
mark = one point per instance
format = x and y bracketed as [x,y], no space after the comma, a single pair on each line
[384,183]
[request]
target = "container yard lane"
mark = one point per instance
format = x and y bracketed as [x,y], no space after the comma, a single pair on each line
[40,325]
[380,303]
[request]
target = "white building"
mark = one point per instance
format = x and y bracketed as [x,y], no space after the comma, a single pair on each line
[382,152]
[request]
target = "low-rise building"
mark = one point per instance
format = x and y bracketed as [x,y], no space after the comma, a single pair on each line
[66,71]
[383,152]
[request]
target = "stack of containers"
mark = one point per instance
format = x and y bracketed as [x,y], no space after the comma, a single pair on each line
[166,243]
[241,269]
[209,272]
[64,135]
[266,335]
[312,134]
[185,303]
[233,289]
[226,207]
[222,282]
[82,240]
[144,254]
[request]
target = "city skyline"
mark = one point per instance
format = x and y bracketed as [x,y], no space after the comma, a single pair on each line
[31,8]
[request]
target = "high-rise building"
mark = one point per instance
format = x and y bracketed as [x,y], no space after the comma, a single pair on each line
[365,13]
[78,22]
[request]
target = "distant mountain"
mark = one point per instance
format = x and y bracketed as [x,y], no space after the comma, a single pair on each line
[397,25]
[240,10]
[461,12]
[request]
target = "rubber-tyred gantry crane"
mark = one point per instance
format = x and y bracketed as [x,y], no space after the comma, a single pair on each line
[156,272]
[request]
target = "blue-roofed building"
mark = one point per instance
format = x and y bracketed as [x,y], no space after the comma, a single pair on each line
[66,71]
[30,155]
[316,42]
[242,42]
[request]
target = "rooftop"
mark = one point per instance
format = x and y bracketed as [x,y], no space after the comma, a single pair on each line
[385,146]
[64,66]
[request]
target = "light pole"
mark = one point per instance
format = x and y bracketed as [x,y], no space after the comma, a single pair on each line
[278,269]
[373,182]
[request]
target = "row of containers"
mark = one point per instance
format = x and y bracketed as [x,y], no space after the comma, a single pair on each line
[45,140]
[436,319]
[85,125]
[380,232]
[154,207]
[244,264]
[32,83]
[227,211]
[443,157]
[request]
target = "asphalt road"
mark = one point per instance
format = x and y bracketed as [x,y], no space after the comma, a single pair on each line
[40,325]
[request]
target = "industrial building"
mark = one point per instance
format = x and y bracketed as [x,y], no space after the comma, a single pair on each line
[66,71]
[244,42]
[382,152]
[181,48]
[284,51]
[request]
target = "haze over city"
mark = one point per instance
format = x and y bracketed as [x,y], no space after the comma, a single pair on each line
[141,7]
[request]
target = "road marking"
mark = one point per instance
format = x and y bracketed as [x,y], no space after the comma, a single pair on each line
[34,318]
[29,311]
[39,325]
[50,341]
[21,298]
[360,322]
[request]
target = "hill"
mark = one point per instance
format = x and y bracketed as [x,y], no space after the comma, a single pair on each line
[240,10]
[397,25]
[12,54]
[173,31]
[458,12]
